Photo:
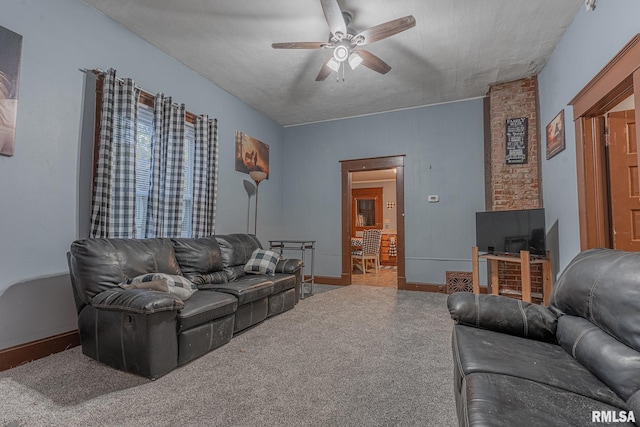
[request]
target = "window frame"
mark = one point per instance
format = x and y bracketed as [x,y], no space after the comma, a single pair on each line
[147,99]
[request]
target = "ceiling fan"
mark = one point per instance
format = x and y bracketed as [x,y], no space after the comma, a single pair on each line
[347,44]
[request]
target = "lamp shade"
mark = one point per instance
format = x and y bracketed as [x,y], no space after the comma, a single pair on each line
[355,60]
[333,64]
[258,176]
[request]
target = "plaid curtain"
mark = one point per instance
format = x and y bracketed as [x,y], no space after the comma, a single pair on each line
[205,176]
[164,208]
[113,202]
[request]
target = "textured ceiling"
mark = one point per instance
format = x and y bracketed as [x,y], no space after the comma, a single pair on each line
[457,49]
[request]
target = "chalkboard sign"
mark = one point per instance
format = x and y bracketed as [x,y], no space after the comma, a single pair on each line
[516,153]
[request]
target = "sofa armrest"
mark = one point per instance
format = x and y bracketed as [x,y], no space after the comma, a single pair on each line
[143,301]
[289,266]
[503,314]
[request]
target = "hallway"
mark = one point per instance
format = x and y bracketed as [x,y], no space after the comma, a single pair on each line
[387,277]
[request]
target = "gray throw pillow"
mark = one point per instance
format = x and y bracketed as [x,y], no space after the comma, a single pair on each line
[177,285]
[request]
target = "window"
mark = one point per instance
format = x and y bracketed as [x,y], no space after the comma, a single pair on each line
[143,171]
[126,201]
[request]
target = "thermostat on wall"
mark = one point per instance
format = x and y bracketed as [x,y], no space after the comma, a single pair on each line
[433,198]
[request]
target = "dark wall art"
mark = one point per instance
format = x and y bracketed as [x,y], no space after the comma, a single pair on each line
[10,53]
[516,150]
[555,135]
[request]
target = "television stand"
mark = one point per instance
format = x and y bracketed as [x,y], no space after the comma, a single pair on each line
[525,260]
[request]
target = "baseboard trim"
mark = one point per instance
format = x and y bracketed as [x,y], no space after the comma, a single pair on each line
[328,280]
[425,287]
[430,287]
[34,350]
[420,287]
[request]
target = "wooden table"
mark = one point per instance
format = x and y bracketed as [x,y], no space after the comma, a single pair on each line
[525,262]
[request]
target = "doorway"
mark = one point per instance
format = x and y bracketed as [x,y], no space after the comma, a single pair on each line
[607,154]
[373,206]
[391,221]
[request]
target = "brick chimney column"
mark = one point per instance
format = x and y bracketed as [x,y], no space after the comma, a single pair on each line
[515,186]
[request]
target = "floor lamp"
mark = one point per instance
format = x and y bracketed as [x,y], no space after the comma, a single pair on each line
[258,177]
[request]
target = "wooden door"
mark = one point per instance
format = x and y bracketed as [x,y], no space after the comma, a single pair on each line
[623,181]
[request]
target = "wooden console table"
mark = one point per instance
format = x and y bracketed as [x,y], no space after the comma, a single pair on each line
[525,262]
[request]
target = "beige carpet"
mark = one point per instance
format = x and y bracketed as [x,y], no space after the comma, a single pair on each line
[347,356]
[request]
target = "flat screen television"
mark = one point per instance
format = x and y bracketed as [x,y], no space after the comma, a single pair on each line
[509,232]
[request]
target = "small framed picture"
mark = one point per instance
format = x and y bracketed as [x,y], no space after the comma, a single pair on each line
[555,135]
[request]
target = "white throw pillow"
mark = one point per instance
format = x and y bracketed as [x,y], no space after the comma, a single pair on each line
[177,285]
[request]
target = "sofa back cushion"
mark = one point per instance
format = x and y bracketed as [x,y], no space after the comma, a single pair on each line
[603,287]
[236,249]
[101,264]
[200,260]
[614,363]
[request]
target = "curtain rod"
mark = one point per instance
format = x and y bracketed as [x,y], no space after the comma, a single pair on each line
[98,71]
[143,92]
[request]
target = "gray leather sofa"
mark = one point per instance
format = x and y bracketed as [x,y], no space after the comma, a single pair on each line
[149,332]
[575,363]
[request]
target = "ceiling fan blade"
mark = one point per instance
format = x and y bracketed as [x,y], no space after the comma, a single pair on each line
[333,15]
[324,71]
[371,61]
[382,31]
[300,45]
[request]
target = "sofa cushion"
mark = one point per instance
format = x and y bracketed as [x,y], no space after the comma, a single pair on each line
[504,400]
[616,364]
[262,261]
[247,289]
[603,286]
[154,285]
[478,350]
[204,307]
[198,256]
[283,282]
[177,285]
[101,264]
[213,277]
[200,259]
[236,249]
[234,273]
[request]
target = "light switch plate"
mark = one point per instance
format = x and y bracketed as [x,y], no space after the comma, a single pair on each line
[433,198]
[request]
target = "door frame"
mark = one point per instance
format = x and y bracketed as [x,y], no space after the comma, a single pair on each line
[615,82]
[368,164]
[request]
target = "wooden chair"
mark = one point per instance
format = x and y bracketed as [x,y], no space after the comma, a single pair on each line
[370,249]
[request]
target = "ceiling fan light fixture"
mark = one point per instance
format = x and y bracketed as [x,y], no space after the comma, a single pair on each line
[345,42]
[341,53]
[333,64]
[355,60]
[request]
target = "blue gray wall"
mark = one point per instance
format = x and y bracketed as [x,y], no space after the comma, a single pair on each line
[39,186]
[444,147]
[590,42]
